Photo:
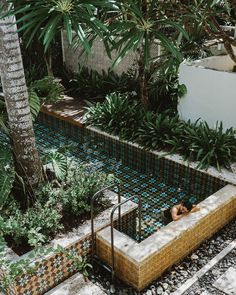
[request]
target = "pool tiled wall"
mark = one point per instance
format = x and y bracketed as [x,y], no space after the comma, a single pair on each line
[173,173]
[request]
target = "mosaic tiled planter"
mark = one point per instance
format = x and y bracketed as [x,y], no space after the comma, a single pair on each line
[51,270]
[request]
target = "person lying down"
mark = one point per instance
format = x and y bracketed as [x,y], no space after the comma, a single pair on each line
[178,211]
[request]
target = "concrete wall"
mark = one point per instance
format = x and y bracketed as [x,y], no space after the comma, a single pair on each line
[98,60]
[211,91]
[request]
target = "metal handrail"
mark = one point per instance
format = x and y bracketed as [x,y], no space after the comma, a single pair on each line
[112,229]
[97,194]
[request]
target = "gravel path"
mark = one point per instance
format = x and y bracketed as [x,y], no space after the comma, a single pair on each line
[181,272]
[206,282]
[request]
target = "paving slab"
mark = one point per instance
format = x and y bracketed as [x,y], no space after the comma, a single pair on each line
[227,282]
[76,285]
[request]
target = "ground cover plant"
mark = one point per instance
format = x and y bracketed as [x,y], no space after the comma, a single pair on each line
[63,197]
[61,202]
[194,141]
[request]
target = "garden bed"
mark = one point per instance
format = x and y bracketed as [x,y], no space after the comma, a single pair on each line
[51,269]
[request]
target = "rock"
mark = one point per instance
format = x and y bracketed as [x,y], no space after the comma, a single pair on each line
[108,284]
[184,273]
[159,290]
[194,256]
[165,286]
[112,289]
[215,272]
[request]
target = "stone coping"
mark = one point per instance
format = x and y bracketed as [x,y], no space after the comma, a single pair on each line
[65,240]
[138,252]
[224,174]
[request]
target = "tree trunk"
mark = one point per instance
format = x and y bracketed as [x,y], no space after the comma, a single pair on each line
[143,87]
[27,160]
[48,62]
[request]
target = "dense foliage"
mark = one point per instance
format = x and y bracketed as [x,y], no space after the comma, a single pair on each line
[68,190]
[91,85]
[195,141]
[117,115]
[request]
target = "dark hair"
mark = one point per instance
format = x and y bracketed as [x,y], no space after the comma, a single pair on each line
[188,205]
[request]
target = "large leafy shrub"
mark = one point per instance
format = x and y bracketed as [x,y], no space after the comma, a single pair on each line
[117,115]
[66,192]
[90,84]
[73,193]
[195,141]
[156,130]
[35,225]
[199,142]
[48,89]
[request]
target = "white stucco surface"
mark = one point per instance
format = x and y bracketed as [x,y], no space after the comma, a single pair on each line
[211,91]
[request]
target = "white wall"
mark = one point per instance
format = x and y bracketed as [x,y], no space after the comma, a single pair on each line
[211,94]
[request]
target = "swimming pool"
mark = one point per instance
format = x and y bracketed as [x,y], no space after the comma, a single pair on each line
[137,173]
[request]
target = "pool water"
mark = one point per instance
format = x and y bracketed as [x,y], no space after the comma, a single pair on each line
[155,193]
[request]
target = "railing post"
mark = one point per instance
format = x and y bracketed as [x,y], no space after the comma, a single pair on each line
[112,230]
[94,197]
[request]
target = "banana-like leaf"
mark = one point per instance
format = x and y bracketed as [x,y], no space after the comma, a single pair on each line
[35,104]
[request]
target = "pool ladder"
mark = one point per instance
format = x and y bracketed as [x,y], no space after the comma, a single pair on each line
[94,257]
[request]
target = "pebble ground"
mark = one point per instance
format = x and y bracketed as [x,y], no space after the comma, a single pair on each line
[182,271]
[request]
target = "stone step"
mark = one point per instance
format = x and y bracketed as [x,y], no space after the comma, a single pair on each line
[76,285]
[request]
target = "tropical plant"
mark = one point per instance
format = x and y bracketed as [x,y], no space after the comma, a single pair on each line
[48,89]
[117,115]
[73,193]
[56,165]
[43,20]
[92,85]
[76,198]
[209,17]
[35,225]
[137,26]
[156,130]
[164,87]
[198,142]
[194,141]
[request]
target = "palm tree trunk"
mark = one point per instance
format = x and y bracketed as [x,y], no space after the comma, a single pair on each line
[27,160]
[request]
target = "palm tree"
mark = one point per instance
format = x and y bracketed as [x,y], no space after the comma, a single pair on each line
[46,17]
[43,20]
[27,160]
